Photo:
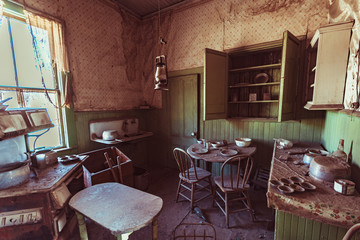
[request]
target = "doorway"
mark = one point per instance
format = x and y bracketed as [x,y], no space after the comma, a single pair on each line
[182,106]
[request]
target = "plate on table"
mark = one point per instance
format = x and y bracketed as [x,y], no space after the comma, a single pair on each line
[228,152]
[199,150]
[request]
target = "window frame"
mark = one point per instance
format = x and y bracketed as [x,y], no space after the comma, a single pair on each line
[66,119]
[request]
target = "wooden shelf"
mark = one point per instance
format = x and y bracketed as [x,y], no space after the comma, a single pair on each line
[239,85]
[259,101]
[260,67]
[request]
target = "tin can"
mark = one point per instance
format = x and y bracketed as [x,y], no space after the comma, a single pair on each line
[344,186]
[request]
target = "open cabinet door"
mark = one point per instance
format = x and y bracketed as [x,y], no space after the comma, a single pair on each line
[215,85]
[289,77]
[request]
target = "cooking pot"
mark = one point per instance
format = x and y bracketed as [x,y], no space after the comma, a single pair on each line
[110,135]
[14,175]
[308,157]
[44,158]
[329,168]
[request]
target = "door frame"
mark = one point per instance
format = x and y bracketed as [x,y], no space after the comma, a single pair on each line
[199,71]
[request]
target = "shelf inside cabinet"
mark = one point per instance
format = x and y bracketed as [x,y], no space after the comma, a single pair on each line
[259,67]
[240,85]
[258,101]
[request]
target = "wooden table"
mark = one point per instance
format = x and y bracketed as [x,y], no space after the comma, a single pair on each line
[116,207]
[214,155]
[323,204]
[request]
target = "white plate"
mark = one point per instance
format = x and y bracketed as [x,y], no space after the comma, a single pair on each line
[199,150]
[228,152]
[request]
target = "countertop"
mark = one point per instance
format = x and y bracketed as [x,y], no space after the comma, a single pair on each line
[323,204]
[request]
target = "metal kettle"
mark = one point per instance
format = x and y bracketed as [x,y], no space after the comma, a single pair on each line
[43,158]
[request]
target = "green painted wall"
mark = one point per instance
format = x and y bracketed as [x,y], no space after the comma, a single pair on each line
[262,133]
[135,150]
[344,125]
[289,226]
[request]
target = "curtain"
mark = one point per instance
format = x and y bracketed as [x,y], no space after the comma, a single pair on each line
[1,10]
[58,51]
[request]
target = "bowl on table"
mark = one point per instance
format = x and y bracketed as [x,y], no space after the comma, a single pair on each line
[242,142]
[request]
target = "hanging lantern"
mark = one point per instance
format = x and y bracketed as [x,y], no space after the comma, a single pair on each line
[161,78]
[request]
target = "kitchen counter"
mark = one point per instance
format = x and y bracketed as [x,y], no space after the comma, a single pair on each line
[322,204]
[48,179]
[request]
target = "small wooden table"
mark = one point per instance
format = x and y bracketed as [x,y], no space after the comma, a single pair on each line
[116,207]
[214,156]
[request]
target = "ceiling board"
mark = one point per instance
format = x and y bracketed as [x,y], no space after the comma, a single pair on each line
[144,8]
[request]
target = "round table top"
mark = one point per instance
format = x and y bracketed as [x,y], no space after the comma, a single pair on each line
[117,207]
[214,155]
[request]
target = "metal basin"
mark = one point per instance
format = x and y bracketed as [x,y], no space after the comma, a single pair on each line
[15,176]
[329,168]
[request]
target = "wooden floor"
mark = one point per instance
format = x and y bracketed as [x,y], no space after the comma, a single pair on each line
[163,183]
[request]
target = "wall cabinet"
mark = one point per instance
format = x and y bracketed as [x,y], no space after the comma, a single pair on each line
[327,64]
[257,81]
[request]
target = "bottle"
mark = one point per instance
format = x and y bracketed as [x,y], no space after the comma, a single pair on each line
[349,159]
[339,153]
[199,213]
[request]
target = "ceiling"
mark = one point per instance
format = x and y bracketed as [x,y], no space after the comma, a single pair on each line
[146,8]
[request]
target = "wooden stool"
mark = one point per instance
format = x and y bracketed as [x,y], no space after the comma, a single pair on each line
[118,208]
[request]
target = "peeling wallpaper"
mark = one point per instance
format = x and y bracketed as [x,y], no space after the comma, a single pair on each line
[345,10]
[226,24]
[112,53]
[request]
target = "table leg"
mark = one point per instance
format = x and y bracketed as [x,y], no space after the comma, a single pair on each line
[208,166]
[155,229]
[82,226]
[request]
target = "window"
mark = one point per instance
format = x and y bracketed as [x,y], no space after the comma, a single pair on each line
[30,73]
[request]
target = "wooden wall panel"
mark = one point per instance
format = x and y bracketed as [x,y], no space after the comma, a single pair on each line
[289,226]
[344,125]
[262,132]
[136,151]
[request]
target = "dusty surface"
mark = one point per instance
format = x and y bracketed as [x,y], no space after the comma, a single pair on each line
[322,204]
[164,183]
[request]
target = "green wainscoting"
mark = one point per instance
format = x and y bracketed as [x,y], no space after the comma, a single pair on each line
[262,133]
[344,125]
[135,150]
[292,227]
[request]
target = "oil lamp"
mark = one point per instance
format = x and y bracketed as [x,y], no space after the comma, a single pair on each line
[161,80]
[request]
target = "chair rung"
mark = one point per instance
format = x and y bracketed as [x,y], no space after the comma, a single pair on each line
[221,208]
[184,186]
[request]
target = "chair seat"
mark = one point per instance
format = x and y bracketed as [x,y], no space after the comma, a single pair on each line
[201,174]
[227,184]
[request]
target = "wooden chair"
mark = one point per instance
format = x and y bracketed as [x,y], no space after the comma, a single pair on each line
[233,180]
[190,176]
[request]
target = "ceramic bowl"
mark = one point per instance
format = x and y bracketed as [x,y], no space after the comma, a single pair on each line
[243,142]
[285,143]
[110,135]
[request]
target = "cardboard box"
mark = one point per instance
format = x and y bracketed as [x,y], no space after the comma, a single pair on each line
[252,96]
[96,169]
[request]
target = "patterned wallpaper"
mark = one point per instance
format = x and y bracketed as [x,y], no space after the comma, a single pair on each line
[112,54]
[102,44]
[225,24]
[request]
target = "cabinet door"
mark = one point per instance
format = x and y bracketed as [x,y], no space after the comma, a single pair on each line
[215,84]
[289,77]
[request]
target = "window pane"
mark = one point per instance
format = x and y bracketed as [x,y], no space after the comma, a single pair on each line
[13,103]
[27,63]
[7,74]
[39,100]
